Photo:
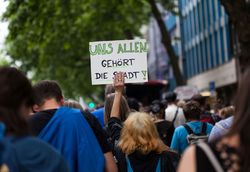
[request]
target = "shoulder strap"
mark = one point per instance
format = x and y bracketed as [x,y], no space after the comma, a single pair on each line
[158,168]
[129,168]
[189,130]
[208,152]
[176,113]
[203,128]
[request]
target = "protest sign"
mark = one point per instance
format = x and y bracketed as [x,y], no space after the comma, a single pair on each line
[110,57]
[186,92]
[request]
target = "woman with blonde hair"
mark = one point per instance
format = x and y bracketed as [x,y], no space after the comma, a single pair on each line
[138,145]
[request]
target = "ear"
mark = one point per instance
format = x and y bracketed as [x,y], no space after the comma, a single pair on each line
[62,101]
[36,108]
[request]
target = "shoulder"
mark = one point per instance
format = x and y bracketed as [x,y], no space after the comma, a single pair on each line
[225,123]
[32,150]
[42,114]
[209,126]
[33,146]
[171,108]
[188,160]
[171,154]
[181,128]
[31,142]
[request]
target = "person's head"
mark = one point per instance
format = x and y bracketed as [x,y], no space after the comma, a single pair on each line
[47,90]
[218,106]
[72,104]
[171,97]
[124,108]
[133,104]
[157,109]
[16,100]
[226,112]
[140,134]
[201,100]
[165,103]
[192,110]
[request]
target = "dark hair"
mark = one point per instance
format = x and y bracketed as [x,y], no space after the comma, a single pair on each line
[124,108]
[133,104]
[171,97]
[16,91]
[157,108]
[47,89]
[192,110]
[242,119]
[199,98]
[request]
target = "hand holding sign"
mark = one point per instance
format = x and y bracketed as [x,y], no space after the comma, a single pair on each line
[119,82]
[109,57]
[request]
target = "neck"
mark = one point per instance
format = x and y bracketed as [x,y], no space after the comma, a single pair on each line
[50,104]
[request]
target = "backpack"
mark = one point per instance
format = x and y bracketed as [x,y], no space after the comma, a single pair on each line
[193,138]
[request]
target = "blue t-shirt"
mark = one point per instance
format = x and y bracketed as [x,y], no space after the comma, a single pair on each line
[99,114]
[179,140]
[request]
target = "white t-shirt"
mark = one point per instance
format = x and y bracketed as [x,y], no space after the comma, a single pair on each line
[170,114]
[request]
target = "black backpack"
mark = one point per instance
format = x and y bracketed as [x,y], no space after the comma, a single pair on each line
[193,138]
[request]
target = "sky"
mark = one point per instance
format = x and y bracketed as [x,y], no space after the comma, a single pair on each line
[3,25]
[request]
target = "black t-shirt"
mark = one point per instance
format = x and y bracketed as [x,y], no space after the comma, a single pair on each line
[40,119]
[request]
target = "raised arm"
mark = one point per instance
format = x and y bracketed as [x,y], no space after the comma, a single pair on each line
[119,86]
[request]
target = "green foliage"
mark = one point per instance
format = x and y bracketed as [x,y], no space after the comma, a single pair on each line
[51,37]
[3,62]
[3,59]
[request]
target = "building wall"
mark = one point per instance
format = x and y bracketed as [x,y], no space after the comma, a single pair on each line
[206,43]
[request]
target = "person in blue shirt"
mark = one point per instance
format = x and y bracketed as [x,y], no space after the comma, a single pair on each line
[99,114]
[192,113]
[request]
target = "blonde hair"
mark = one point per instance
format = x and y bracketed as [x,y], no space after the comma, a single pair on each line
[139,133]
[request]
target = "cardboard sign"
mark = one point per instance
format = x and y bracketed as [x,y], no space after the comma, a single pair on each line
[110,57]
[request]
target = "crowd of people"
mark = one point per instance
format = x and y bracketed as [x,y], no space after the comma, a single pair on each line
[41,131]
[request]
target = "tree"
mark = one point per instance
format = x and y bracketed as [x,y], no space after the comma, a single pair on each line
[51,38]
[239,16]
[166,40]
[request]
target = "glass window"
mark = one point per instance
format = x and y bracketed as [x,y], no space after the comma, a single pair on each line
[222,45]
[217,49]
[211,58]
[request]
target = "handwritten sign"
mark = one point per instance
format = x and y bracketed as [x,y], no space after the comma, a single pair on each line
[109,57]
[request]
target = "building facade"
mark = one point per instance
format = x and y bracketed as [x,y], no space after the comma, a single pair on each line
[206,44]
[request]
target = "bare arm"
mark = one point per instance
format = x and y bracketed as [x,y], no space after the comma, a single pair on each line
[110,165]
[119,86]
[188,161]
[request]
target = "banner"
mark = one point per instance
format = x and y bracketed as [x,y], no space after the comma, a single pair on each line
[109,57]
